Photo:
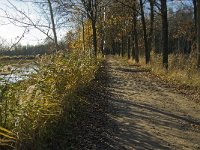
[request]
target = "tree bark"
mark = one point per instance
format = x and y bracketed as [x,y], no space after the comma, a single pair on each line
[164,32]
[198,33]
[83,36]
[135,53]
[147,51]
[195,13]
[129,47]
[122,48]
[118,48]
[151,2]
[133,38]
[94,31]
[53,25]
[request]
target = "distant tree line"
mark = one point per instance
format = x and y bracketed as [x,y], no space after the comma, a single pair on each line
[128,28]
[25,50]
[30,50]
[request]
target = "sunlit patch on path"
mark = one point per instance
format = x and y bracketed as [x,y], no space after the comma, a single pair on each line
[139,112]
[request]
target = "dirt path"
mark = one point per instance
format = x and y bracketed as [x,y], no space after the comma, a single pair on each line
[132,110]
[148,113]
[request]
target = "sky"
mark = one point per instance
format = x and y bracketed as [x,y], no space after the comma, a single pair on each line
[11,33]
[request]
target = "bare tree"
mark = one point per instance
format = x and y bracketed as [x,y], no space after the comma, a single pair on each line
[147,51]
[164,32]
[135,37]
[195,12]
[198,32]
[151,2]
[22,19]
[53,25]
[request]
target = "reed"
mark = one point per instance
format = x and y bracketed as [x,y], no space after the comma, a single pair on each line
[29,107]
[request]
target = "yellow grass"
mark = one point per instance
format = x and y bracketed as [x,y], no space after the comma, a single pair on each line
[30,106]
[182,69]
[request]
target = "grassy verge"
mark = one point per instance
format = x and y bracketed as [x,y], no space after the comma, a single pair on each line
[182,69]
[182,73]
[34,110]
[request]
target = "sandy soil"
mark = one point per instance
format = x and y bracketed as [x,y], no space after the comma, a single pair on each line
[150,114]
[137,111]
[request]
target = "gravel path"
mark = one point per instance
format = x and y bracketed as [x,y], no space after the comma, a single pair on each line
[137,111]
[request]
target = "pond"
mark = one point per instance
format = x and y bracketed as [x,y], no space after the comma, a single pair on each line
[14,74]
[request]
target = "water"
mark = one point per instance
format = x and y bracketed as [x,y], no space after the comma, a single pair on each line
[17,74]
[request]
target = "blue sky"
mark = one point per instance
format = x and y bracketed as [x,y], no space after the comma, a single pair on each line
[11,33]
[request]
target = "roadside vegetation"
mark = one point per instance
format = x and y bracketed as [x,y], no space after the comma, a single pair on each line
[182,69]
[30,108]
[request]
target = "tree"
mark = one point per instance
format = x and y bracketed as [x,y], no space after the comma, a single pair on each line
[53,25]
[151,3]
[147,51]
[129,47]
[164,32]
[195,12]
[44,23]
[135,52]
[198,32]
[91,10]
[132,6]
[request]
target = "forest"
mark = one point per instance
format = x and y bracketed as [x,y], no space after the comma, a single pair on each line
[125,76]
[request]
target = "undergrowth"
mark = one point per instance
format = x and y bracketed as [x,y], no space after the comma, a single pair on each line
[34,109]
[182,69]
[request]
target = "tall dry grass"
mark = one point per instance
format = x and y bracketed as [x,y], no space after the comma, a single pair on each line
[182,68]
[30,106]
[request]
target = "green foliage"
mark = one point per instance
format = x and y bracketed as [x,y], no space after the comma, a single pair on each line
[28,107]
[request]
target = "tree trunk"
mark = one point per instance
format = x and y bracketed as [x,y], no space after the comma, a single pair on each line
[147,51]
[122,48]
[151,23]
[198,33]
[53,25]
[195,13]
[102,43]
[101,29]
[133,38]
[135,53]
[164,32]
[129,47]
[101,39]
[118,48]
[83,36]
[94,37]
[179,45]
[113,47]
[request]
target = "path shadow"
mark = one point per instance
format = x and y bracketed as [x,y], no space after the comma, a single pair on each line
[107,122]
[97,129]
[133,70]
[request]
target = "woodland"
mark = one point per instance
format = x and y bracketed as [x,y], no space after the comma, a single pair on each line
[125,76]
